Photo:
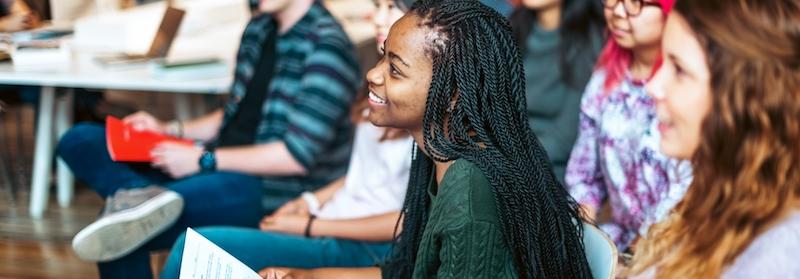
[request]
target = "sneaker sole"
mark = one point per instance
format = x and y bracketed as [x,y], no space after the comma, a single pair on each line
[116,235]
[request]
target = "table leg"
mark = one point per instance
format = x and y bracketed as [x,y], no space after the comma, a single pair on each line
[63,121]
[182,107]
[43,153]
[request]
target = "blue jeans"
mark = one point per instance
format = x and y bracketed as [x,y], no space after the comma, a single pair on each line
[220,198]
[258,250]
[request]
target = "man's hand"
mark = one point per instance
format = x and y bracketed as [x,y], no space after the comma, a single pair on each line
[143,121]
[177,160]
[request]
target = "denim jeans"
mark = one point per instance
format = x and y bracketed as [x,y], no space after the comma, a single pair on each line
[210,199]
[258,250]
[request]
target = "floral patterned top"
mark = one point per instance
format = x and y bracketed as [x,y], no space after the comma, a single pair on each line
[617,158]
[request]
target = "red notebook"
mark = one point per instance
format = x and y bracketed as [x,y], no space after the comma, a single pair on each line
[128,145]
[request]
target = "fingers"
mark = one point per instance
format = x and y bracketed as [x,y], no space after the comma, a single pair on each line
[158,157]
[267,223]
[288,208]
[269,273]
[135,116]
[266,273]
[141,121]
[263,222]
[273,273]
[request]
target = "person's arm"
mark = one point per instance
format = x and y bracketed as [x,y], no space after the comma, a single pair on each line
[299,206]
[584,175]
[204,128]
[325,194]
[373,228]
[378,228]
[19,17]
[272,159]
[321,273]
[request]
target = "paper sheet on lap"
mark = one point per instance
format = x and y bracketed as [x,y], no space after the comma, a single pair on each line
[202,259]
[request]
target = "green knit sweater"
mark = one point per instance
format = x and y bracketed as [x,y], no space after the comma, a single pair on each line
[463,237]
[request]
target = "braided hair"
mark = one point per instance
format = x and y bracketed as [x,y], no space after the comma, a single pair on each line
[476,111]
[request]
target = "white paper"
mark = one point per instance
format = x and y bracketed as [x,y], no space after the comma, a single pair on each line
[202,259]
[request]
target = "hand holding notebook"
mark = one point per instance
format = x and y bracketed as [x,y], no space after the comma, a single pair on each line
[126,144]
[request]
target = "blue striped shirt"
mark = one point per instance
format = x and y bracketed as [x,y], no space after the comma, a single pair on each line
[309,98]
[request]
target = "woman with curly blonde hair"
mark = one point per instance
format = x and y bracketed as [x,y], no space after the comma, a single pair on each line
[727,98]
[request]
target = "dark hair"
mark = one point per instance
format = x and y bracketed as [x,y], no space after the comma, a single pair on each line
[404,5]
[581,30]
[476,111]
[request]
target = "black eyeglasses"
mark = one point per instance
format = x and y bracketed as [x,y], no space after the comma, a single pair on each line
[632,7]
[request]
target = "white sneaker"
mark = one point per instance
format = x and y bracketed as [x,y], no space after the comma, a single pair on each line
[130,219]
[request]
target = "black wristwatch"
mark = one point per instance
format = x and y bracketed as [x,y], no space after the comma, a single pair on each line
[208,160]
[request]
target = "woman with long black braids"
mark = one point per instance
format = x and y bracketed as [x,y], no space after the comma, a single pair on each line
[483,201]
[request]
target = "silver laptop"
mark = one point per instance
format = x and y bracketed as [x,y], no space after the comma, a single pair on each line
[162,42]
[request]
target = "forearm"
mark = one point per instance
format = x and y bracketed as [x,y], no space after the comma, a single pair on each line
[326,193]
[204,128]
[19,6]
[346,273]
[271,159]
[379,228]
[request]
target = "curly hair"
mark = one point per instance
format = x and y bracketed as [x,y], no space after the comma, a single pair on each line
[747,168]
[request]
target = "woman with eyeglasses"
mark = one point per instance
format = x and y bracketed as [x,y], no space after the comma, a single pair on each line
[616,158]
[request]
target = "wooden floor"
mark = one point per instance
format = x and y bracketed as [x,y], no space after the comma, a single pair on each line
[41,248]
[37,248]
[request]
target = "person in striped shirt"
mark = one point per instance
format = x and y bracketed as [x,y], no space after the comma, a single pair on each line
[284,130]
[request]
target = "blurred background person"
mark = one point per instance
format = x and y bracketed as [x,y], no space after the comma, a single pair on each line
[16,15]
[616,158]
[560,42]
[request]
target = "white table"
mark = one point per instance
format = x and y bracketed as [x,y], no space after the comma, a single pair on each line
[56,113]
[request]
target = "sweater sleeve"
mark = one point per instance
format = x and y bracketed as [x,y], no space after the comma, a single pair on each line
[475,250]
[584,178]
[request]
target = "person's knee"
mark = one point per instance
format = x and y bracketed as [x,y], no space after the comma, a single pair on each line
[75,141]
[179,243]
[215,234]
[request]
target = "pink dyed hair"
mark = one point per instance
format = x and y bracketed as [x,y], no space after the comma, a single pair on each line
[615,59]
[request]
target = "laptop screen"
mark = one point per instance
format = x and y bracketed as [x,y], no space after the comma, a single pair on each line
[166,33]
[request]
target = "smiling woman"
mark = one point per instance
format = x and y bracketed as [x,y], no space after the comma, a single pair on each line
[398,84]
[727,100]
[483,201]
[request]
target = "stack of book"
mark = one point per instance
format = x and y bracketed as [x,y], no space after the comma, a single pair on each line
[40,48]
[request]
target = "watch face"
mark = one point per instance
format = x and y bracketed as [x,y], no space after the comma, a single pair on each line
[207,161]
